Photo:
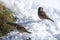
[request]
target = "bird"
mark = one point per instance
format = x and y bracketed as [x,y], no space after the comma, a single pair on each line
[42,15]
[20,28]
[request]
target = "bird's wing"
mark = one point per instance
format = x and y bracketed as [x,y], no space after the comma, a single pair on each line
[44,15]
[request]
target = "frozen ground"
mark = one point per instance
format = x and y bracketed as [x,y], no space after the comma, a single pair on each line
[26,11]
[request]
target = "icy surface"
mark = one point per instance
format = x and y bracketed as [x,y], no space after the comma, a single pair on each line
[26,11]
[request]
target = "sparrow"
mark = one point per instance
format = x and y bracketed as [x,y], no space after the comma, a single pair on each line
[20,28]
[42,14]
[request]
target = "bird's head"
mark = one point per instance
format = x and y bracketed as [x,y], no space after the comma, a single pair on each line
[40,8]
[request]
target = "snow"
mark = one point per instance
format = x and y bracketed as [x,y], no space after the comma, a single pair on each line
[26,11]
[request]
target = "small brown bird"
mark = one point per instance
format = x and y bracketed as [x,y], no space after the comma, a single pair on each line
[42,14]
[18,27]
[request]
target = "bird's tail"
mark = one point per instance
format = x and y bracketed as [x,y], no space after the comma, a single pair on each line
[28,32]
[51,19]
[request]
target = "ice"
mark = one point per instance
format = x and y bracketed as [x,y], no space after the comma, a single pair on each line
[26,11]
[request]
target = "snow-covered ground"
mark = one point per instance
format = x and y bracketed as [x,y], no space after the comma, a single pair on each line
[26,11]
